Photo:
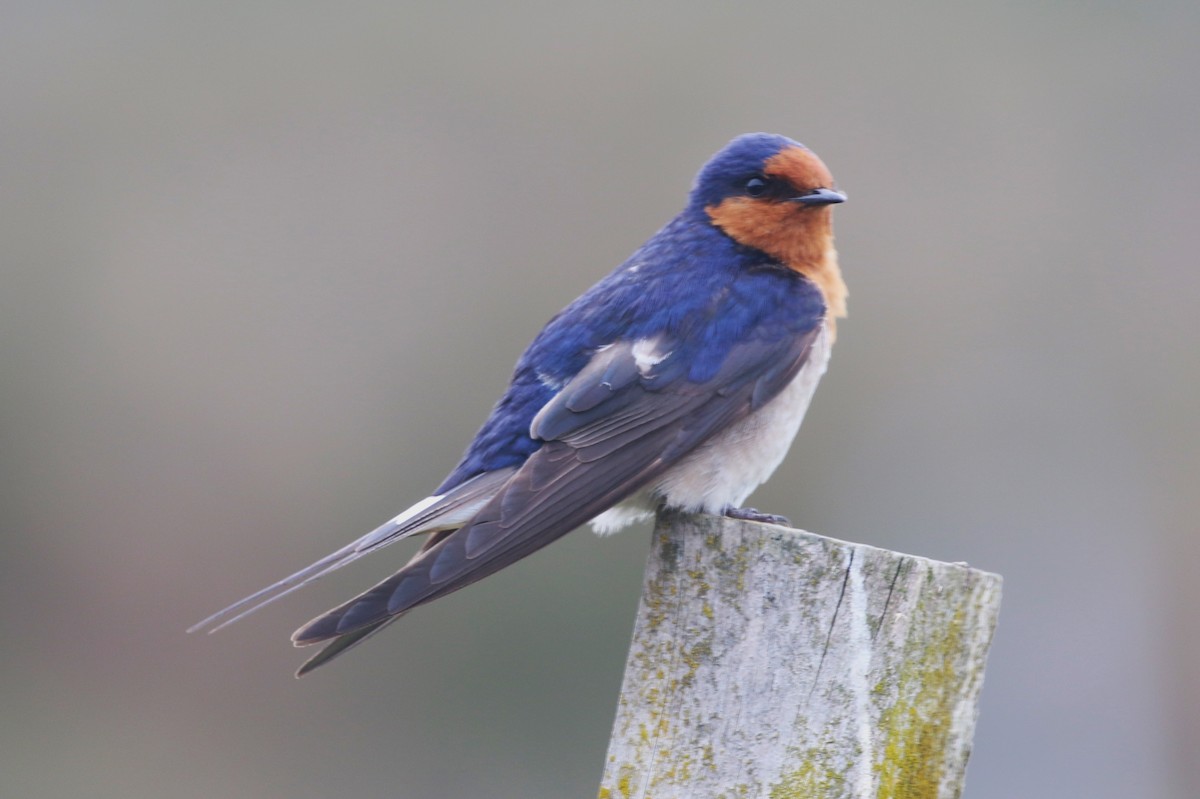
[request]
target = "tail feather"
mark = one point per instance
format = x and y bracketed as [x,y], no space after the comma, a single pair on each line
[434,514]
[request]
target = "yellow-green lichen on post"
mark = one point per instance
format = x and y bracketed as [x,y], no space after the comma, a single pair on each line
[813,777]
[915,729]
[768,662]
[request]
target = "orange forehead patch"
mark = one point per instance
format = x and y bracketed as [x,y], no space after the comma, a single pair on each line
[799,167]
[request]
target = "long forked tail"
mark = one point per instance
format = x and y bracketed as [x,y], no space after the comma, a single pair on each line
[443,512]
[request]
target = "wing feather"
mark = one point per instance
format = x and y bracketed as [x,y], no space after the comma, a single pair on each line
[343,645]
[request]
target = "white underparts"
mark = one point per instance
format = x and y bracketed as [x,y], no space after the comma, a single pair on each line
[723,471]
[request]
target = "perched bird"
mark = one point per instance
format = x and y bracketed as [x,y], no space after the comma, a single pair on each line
[678,380]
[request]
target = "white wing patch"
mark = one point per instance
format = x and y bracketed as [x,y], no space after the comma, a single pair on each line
[550,382]
[646,354]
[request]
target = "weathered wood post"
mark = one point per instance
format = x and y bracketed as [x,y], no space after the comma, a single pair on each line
[770,662]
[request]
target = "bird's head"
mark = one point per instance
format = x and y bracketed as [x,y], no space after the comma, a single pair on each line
[775,195]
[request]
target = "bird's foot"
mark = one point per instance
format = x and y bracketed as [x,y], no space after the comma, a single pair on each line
[753,515]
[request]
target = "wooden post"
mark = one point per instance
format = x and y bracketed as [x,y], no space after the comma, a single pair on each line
[770,662]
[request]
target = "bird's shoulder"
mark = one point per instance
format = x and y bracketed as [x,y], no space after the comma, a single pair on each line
[688,282]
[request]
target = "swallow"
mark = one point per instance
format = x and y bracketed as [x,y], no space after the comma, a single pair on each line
[677,381]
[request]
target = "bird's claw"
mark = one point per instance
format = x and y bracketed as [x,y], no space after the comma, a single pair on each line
[754,515]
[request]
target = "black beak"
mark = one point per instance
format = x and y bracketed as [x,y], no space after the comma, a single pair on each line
[820,197]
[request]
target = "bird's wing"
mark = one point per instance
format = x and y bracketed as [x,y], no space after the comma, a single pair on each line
[432,514]
[343,644]
[622,421]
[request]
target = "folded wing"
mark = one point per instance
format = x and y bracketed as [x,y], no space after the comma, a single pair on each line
[619,424]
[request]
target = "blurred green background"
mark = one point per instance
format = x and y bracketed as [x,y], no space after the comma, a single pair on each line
[266,266]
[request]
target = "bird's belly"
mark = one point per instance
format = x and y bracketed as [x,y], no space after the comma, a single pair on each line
[723,471]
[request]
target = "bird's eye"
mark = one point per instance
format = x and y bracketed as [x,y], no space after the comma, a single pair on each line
[756,186]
